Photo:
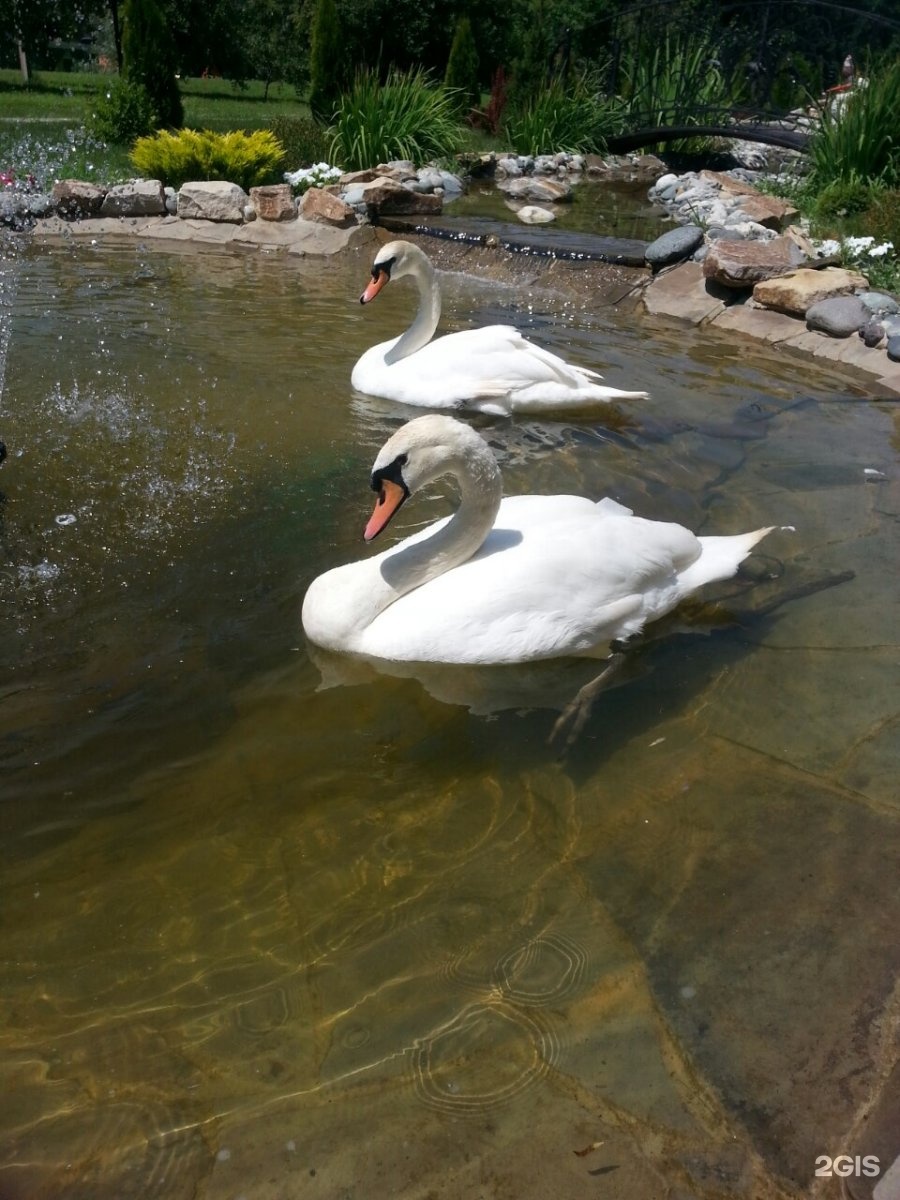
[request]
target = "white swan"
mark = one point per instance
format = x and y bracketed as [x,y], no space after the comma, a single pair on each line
[504,581]
[492,370]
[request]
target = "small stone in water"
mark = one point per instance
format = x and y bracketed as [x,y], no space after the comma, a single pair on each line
[66,519]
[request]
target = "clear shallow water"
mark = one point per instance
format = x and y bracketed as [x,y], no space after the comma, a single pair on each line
[263,937]
[612,209]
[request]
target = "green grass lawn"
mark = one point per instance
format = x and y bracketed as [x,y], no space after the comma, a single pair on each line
[42,125]
[208,103]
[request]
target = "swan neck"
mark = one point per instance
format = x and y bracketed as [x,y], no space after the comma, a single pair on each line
[428,314]
[481,491]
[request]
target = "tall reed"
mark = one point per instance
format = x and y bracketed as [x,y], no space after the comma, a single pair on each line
[407,116]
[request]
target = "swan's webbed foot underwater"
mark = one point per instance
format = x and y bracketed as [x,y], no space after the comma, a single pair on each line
[707,618]
[574,716]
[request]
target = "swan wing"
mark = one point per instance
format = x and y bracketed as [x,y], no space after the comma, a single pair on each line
[488,364]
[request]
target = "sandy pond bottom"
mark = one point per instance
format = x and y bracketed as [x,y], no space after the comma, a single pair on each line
[265,938]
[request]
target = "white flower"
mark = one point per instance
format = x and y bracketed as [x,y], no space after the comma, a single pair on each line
[829,247]
[880,251]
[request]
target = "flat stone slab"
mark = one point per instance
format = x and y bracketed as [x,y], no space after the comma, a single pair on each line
[556,243]
[681,293]
[294,237]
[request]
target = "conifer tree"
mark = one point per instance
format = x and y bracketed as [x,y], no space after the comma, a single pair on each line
[462,66]
[148,53]
[325,60]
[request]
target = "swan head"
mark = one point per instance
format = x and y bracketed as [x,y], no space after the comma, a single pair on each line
[392,261]
[418,453]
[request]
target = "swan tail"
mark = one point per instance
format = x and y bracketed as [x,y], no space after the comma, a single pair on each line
[720,557]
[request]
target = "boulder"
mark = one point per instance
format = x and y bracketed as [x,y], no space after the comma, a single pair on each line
[352,177]
[797,291]
[319,205]
[893,348]
[387,196]
[532,214]
[75,199]
[540,190]
[743,264]
[274,202]
[212,200]
[673,246]
[838,316]
[138,198]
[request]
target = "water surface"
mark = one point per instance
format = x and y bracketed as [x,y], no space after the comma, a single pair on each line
[267,937]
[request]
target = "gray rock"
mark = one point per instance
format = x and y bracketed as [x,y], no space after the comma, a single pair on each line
[893,348]
[838,316]
[674,246]
[878,302]
[171,201]
[872,332]
[717,233]
[891,325]
[138,198]
[213,200]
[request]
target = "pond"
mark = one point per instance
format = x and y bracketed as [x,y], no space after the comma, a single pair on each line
[274,929]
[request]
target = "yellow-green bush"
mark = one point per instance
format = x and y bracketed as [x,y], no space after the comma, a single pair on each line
[248,159]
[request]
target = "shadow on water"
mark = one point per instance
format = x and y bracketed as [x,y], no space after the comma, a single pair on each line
[246,915]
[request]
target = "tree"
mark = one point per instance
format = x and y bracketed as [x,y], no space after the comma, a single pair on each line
[148,51]
[462,66]
[326,75]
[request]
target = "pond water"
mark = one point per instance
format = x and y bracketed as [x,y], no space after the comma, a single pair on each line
[617,209]
[263,937]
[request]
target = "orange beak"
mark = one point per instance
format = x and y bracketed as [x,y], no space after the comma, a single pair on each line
[389,500]
[373,288]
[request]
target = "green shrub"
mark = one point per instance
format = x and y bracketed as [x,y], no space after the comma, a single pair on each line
[858,139]
[248,159]
[842,198]
[326,59]
[461,75]
[149,58]
[406,117]
[561,117]
[305,142]
[122,112]
[882,218]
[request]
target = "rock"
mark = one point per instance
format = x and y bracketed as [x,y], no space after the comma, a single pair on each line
[768,211]
[531,214]
[893,348]
[878,302]
[75,199]
[212,200]
[385,195]
[541,190]
[274,202]
[797,291]
[171,201]
[872,333]
[138,198]
[673,246]
[357,177]
[508,168]
[838,316]
[320,205]
[594,164]
[743,264]
[891,325]
[799,238]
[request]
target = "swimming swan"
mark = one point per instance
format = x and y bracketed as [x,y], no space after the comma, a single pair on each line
[493,369]
[504,581]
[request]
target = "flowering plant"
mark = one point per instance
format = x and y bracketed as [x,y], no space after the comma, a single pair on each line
[314,176]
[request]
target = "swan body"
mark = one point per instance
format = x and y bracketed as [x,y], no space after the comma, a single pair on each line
[493,369]
[504,580]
